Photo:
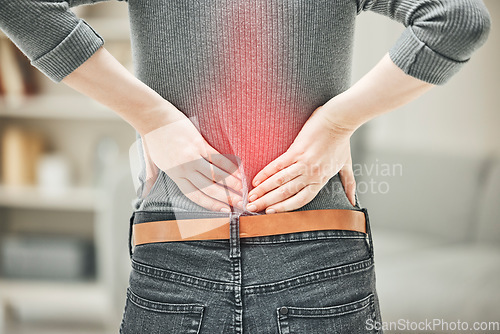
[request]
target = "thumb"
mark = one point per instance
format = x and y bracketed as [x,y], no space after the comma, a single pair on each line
[346,174]
[151,170]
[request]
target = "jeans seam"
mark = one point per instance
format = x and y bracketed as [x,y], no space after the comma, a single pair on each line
[310,278]
[122,324]
[374,314]
[363,304]
[190,308]
[368,231]
[301,239]
[168,275]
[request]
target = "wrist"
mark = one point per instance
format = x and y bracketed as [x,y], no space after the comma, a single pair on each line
[155,117]
[340,126]
[339,115]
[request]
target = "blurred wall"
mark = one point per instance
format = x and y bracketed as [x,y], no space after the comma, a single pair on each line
[460,117]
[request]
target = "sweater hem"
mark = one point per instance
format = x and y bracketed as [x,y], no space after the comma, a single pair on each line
[416,59]
[67,56]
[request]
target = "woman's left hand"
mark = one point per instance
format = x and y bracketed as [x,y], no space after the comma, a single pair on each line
[320,150]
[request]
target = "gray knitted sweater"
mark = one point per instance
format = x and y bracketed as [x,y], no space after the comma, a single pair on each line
[249,72]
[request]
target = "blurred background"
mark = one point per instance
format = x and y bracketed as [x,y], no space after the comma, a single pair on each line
[428,173]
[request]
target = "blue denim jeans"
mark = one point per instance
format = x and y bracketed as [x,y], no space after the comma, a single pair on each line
[297,283]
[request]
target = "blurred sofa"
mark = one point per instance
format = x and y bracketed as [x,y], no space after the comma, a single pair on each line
[436,234]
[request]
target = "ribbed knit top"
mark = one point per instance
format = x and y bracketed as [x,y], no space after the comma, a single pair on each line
[249,73]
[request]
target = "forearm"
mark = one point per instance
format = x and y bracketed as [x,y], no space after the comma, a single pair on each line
[105,80]
[383,89]
[440,37]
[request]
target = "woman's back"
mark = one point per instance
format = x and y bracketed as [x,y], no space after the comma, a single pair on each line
[248,74]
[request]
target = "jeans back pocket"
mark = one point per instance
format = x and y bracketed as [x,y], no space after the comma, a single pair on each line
[143,316]
[353,317]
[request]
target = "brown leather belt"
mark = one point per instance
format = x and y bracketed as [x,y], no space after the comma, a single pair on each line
[250,226]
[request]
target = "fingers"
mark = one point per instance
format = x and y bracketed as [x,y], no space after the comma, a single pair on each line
[346,174]
[279,194]
[213,172]
[222,161]
[200,198]
[275,181]
[213,189]
[304,196]
[281,162]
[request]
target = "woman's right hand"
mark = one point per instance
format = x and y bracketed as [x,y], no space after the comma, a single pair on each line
[205,176]
[170,141]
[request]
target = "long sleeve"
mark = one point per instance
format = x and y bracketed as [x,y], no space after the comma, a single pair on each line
[54,39]
[440,35]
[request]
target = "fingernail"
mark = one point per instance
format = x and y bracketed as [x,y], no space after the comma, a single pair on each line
[252,198]
[226,210]
[270,211]
[251,207]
